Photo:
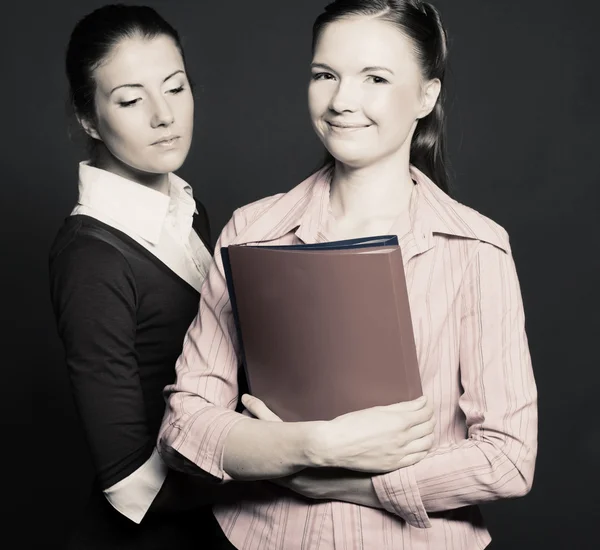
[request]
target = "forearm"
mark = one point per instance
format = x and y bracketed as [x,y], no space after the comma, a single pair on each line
[333,484]
[356,488]
[473,471]
[258,449]
[357,491]
[437,483]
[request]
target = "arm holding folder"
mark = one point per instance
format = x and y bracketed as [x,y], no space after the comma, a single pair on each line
[324,330]
[201,433]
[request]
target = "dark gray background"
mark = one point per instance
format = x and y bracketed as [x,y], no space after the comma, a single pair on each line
[523,122]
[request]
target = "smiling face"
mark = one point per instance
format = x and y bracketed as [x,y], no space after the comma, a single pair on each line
[144,108]
[367,91]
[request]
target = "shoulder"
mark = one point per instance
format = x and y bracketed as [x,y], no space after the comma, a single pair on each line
[480,226]
[79,249]
[244,218]
[447,216]
[90,276]
[249,213]
[267,218]
[271,216]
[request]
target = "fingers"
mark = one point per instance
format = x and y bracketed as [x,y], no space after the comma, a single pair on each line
[408,406]
[420,429]
[420,445]
[258,408]
[412,459]
[414,412]
[408,459]
[420,416]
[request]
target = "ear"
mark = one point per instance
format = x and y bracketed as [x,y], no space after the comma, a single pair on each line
[89,127]
[430,93]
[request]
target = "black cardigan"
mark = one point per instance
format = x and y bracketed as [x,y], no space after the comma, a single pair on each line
[122,316]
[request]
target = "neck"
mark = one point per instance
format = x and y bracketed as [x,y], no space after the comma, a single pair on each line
[105,160]
[380,190]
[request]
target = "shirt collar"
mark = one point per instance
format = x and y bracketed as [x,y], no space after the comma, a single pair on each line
[137,208]
[305,207]
[433,212]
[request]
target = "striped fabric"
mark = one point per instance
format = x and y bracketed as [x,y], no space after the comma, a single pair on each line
[475,366]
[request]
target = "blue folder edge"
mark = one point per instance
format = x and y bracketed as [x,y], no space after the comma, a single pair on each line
[360,242]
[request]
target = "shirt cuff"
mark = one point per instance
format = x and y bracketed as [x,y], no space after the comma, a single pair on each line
[399,494]
[133,495]
[205,448]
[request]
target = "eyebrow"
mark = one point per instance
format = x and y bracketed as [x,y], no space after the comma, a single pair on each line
[376,68]
[365,70]
[141,86]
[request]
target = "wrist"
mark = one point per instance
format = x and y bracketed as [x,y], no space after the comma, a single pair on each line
[316,448]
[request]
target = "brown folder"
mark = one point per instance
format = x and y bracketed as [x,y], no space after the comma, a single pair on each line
[323,331]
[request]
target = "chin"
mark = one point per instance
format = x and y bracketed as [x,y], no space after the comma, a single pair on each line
[353,159]
[166,164]
[170,166]
[350,154]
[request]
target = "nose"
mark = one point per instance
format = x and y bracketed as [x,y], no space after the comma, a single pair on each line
[163,114]
[344,99]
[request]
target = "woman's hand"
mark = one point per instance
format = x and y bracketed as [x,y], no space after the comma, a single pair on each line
[258,409]
[332,484]
[375,440]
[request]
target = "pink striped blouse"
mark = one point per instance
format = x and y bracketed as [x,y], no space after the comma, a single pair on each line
[475,366]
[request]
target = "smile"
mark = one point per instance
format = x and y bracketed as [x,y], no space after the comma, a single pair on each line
[346,127]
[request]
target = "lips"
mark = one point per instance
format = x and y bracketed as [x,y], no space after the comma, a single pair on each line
[166,140]
[345,125]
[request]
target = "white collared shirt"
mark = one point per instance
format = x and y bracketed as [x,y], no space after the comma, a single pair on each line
[163,225]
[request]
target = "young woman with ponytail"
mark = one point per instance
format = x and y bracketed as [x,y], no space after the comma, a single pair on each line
[126,270]
[409,475]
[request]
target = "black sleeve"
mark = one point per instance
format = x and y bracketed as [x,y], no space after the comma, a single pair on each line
[94,299]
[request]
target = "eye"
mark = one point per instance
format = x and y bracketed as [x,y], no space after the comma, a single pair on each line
[128,103]
[178,90]
[378,79]
[322,76]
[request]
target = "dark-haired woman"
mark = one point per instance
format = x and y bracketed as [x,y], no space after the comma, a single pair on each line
[414,472]
[126,270]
